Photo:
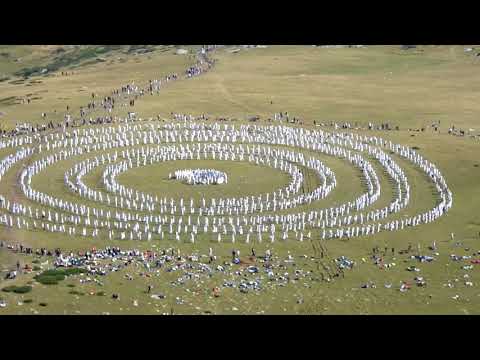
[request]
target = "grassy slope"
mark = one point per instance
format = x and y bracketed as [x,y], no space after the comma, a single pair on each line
[54,93]
[343,84]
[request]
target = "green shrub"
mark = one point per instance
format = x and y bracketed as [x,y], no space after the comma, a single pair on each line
[26,72]
[74,271]
[43,304]
[17,289]
[36,261]
[64,272]
[71,285]
[22,289]
[37,268]
[9,288]
[53,272]
[54,276]
[27,301]
[17,82]
[49,279]
[75,292]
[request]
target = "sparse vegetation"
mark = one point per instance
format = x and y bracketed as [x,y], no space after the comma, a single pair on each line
[75,292]
[65,59]
[11,100]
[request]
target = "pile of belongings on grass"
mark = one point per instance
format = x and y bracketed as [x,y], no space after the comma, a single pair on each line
[423,258]
[413,268]
[369,285]
[404,287]
[420,281]
[345,263]
[245,285]
[11,275]
[191,268]
[460,258]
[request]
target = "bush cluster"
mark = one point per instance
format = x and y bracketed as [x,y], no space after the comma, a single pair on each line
[53,277]
[75,292]
[18,289]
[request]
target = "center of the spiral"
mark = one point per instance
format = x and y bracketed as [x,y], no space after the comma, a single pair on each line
[200,176]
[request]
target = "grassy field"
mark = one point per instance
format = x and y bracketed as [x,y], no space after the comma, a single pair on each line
[411,89]
[52,94]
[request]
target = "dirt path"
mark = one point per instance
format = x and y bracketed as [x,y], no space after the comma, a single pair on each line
[228,96]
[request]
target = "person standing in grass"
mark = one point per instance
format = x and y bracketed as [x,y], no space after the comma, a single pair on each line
[268,254]
[210,254]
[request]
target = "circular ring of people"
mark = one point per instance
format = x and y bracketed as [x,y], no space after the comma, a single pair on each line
[118,212]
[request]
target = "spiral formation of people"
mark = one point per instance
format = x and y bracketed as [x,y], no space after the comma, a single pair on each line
[270,217]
